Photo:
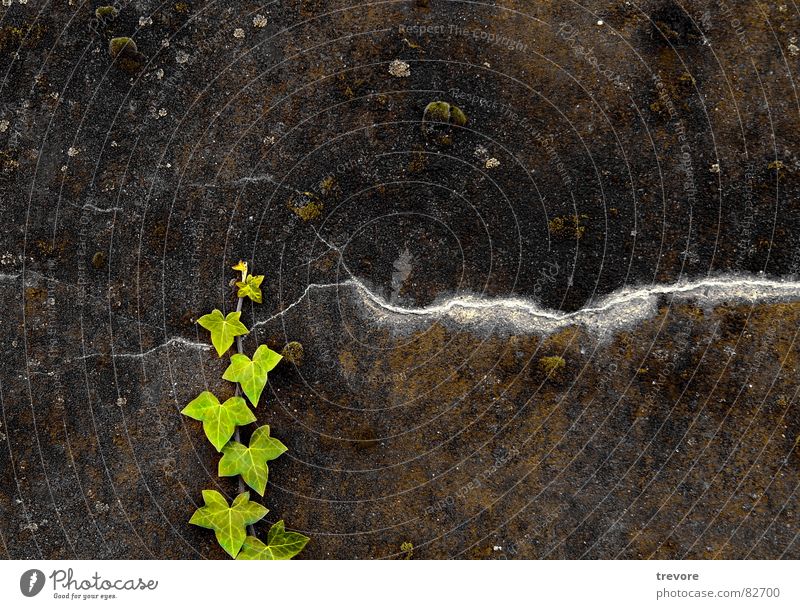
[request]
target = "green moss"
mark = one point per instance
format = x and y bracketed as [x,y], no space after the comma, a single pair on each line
[14,38]
[437,111]
[121,46]
[457,117]
[99,260]
[293,353]
[8,164]
[568,227]
[328,185]
[105,12]
[11,38]
[306,206]
[381,101]
[408,549]
[552,364]
[437,120]
[125,54]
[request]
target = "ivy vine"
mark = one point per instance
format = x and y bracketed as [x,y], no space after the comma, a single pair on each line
[233,523]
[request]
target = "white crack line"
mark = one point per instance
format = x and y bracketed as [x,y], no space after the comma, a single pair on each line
[176,340]
[249,180]
[312,286]
[266,178]
[101,210]
[621,308]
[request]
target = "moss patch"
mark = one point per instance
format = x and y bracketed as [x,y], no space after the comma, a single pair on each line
[99,260]
[105,12]
[14,38]
[568,227]
[293,353]
[125,54]
[552,364]
[437,121]
[306,206]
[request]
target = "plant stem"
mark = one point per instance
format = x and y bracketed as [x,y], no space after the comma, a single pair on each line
[239,349]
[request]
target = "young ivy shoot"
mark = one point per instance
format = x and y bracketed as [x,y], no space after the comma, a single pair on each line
[233,523]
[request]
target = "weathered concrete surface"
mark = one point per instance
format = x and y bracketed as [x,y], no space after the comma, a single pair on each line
[638,143]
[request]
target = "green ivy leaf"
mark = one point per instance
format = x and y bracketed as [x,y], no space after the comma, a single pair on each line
[252,374]
[241,266]
[219,420]
[251,462]
[281,545]
[228,523]
[223,329]
[250,287]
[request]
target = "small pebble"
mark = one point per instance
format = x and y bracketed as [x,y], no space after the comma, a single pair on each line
[399,69]
[238,33]
[259,21]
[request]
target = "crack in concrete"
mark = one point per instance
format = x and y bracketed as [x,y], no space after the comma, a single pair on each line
[256,179]
[619,309]
[175,340]
[101,210]
[311,286]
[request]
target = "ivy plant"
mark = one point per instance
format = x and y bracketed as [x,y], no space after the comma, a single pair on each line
[233,523]
[251,374]
[250,462]
[219,420]
[223,328]
[281,545]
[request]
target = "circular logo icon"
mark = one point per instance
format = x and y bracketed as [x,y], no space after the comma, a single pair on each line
[31,582]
